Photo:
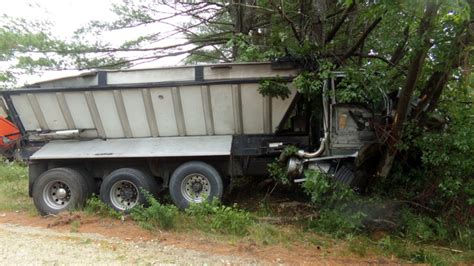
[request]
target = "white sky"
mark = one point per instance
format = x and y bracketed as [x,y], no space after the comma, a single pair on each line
[67,16]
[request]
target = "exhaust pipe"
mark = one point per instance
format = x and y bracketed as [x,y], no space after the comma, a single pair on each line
[318,152]
[294,166]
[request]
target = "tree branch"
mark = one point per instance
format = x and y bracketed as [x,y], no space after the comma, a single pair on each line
[400,50]
[361,39]
[338,25]
[290,22]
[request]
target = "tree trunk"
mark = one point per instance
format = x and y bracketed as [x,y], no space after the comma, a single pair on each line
[406,93]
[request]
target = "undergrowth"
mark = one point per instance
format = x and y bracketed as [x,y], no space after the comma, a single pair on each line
[14,186]
[97,207]
[156,215]
[208,217]
[216,217]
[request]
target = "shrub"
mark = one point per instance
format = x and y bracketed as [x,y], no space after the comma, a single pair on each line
[213,216]
[156,215]
[339,222]
[325,191]
[95,206]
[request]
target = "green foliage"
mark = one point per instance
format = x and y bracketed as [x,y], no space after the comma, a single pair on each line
[309,84]
[422,228]
[276,88]
[215,217]
[156,215]
[13,186]
[324,191]
[97,207]
[290,151]
[364,87]
[277,168]
[338,213]
[278,172]
[338,221]
[448,156]
[391,246]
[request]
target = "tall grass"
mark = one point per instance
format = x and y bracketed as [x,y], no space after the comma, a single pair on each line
[14,187]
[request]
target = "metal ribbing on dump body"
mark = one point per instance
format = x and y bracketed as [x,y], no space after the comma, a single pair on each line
[65,110]
[267,114]
[122,113]
[237,106]
[37,110]
[95,114]
[178,111]
[207,109]
[150,113]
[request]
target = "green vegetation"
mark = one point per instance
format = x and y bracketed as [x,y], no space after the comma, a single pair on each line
[215,217]
[14,187]
[419,240]
[276,88]
[210,217]
[156,215]
[94,206]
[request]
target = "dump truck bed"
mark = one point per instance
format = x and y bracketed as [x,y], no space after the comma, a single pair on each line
[164,102]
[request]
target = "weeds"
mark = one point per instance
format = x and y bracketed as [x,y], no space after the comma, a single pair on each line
[156,215]
[339,222]
[14,186]
[95,206]
[215,217]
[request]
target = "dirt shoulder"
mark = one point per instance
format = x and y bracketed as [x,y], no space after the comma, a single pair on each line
[77,238]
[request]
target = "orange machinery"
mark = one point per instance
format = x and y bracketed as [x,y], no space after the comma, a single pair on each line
[9,135]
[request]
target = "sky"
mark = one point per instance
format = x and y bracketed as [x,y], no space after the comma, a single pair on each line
[66,16]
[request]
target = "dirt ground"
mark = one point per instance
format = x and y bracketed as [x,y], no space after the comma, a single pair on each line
[76,238]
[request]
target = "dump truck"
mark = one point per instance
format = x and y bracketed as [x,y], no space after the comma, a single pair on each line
[188,129]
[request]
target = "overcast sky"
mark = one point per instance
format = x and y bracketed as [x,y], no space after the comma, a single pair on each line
[67,16]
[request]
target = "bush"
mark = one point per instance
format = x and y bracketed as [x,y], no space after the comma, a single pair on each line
[215,217]
[339,222]
[325,191]
[157,215]
[95,206]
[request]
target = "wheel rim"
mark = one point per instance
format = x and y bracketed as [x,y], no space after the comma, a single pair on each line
[57,195]
[124,195]
[195,188]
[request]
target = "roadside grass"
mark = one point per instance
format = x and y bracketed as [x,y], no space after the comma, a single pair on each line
[233,224]
[14,187]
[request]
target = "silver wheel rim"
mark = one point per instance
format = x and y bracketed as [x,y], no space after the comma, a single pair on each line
[195,188]
[57,195]
[124,195]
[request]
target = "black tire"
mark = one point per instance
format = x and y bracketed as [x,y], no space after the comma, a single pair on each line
[122,189]
[92,185]
[60,189]
[201,172]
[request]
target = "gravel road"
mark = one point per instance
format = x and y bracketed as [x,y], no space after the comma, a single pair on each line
[32,246]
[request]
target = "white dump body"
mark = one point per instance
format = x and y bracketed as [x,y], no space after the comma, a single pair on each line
[180,101]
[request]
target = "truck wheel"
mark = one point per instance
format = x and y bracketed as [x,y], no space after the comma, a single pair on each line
[92,186]
[59,189]
[195,182]
[121,189]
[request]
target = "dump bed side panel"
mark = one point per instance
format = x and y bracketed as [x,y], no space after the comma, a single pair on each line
[187,101]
